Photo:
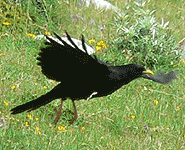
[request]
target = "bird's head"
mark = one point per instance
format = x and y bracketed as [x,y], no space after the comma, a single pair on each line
[138,70]
[133,71]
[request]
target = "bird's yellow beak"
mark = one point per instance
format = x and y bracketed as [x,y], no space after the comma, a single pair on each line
[148,72]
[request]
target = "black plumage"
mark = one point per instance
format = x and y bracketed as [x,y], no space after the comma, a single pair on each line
[82,76]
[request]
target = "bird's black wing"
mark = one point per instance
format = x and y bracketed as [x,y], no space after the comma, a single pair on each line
[162,77]
[61,62]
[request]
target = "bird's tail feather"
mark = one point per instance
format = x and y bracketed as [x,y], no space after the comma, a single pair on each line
[29,106]
[34,104]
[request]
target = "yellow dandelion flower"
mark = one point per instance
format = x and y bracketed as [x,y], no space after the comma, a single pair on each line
[6,23]
[37,129]
[13,87]
[83,128]
[133,116]
[36,119]
[102,138]
[45,87]
[31,35]
[61,128]
[27,124]
[6,103]
[91,41]
[98,48]
[156,102]
[29,116]
[100,43]
[2,54]
[104,45]
[178,108]
[47,33]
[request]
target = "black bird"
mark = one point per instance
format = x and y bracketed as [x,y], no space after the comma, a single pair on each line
[83,76]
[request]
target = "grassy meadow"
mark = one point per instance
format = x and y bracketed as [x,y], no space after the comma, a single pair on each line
[140,115]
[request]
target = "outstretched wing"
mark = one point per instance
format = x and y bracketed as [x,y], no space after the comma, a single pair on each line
[162,77]
[61,62]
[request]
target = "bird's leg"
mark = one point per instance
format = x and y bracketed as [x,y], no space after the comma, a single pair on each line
[59,113]
[75,113]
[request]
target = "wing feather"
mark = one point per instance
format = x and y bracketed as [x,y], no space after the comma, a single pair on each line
[60,62]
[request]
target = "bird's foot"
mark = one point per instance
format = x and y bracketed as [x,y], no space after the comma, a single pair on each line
[58,116]
[56,120]
[56,110]
[71,121]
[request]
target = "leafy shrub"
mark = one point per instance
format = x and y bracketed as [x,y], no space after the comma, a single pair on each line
[142,40]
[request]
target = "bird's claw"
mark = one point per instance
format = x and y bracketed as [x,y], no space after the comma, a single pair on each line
[71,121]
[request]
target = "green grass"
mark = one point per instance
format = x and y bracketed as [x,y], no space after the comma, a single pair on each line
[103,123]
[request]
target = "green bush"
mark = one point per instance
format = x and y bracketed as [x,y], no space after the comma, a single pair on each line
[142,40]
